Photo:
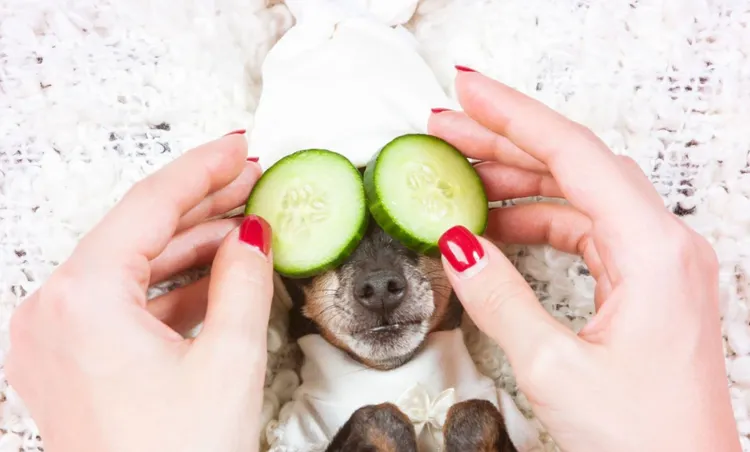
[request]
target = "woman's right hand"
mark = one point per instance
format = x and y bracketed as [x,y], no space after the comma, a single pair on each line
[647,372]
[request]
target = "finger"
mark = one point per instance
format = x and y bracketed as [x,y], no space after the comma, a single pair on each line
[477,142]
[586,171]
[157,202]
[228,198]
[507,182]
[183,308]
[241,288]
[601,292]
[194,247]
[560,226]
[498,299]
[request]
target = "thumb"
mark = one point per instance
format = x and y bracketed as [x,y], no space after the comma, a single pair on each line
[241,288]
[498,299]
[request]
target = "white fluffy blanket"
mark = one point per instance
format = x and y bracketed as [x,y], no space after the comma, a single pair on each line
[95,94]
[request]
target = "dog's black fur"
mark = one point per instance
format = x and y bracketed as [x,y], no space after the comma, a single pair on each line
[383,327]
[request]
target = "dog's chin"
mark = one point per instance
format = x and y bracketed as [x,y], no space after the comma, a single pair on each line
[387,346]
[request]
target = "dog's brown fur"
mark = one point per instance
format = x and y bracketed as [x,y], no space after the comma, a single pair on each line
[381,428]
[476,425]
[325,305]
[471,426]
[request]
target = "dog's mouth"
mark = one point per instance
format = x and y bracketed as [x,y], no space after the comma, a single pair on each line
[390,329]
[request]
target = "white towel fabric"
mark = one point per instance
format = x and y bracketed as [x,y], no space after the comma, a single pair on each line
[343,79]
[334,386]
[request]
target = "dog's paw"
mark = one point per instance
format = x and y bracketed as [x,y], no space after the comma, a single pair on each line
[376,428]
[476,426]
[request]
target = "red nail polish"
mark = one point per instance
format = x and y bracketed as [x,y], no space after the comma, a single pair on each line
[236,132]
[464,68]
[460,248]
[440,110]
[252,159]
[256,232]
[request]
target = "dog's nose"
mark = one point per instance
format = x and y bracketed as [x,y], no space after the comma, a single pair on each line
[380,291]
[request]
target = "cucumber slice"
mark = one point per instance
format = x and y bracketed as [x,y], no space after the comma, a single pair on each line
[314,201]
[418,186]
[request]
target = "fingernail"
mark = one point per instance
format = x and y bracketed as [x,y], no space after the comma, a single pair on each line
[461,249]
[256,232]
[236,132]
[252,159]
[464,68]
[440,110]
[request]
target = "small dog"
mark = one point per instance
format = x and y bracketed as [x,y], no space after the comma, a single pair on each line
[379,308]
[385,364]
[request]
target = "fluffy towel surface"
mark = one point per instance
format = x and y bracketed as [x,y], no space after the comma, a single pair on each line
[343,79]
[95,94]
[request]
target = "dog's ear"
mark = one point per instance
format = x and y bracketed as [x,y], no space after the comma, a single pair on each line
[299,325]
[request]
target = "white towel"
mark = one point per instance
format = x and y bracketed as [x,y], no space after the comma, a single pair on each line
[347,77]
[334,386]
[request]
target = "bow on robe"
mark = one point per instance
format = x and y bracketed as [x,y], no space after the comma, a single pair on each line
[427,414]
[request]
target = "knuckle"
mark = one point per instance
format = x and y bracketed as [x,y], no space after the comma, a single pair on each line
[504,291]
[709,257]
[236,269]
[548,361]
[586,133]
[499,142]
[629,163]
[678,242]
[688,250]
[62,284]
[136,267]
[141,188]
[705,252]
[60,293]
[152,190]
[239,272]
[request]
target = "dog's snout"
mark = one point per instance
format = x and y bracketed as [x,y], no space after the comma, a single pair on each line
[380,291]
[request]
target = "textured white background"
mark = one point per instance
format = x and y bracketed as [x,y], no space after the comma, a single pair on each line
[95,94]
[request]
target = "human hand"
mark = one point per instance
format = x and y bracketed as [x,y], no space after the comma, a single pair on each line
[647,373]
[99,367]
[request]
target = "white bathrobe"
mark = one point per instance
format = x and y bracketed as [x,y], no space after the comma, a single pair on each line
[349,78]
[334,386]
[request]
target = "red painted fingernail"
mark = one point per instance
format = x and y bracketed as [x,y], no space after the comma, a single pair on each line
[256,232]
[440,110]
[464,68]
[252,159]
[236,132]
[461,248]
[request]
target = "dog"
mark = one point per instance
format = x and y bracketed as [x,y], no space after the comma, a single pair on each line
[385,364]
[378,309]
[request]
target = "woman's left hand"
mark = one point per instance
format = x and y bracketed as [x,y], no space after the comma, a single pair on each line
[102,368]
